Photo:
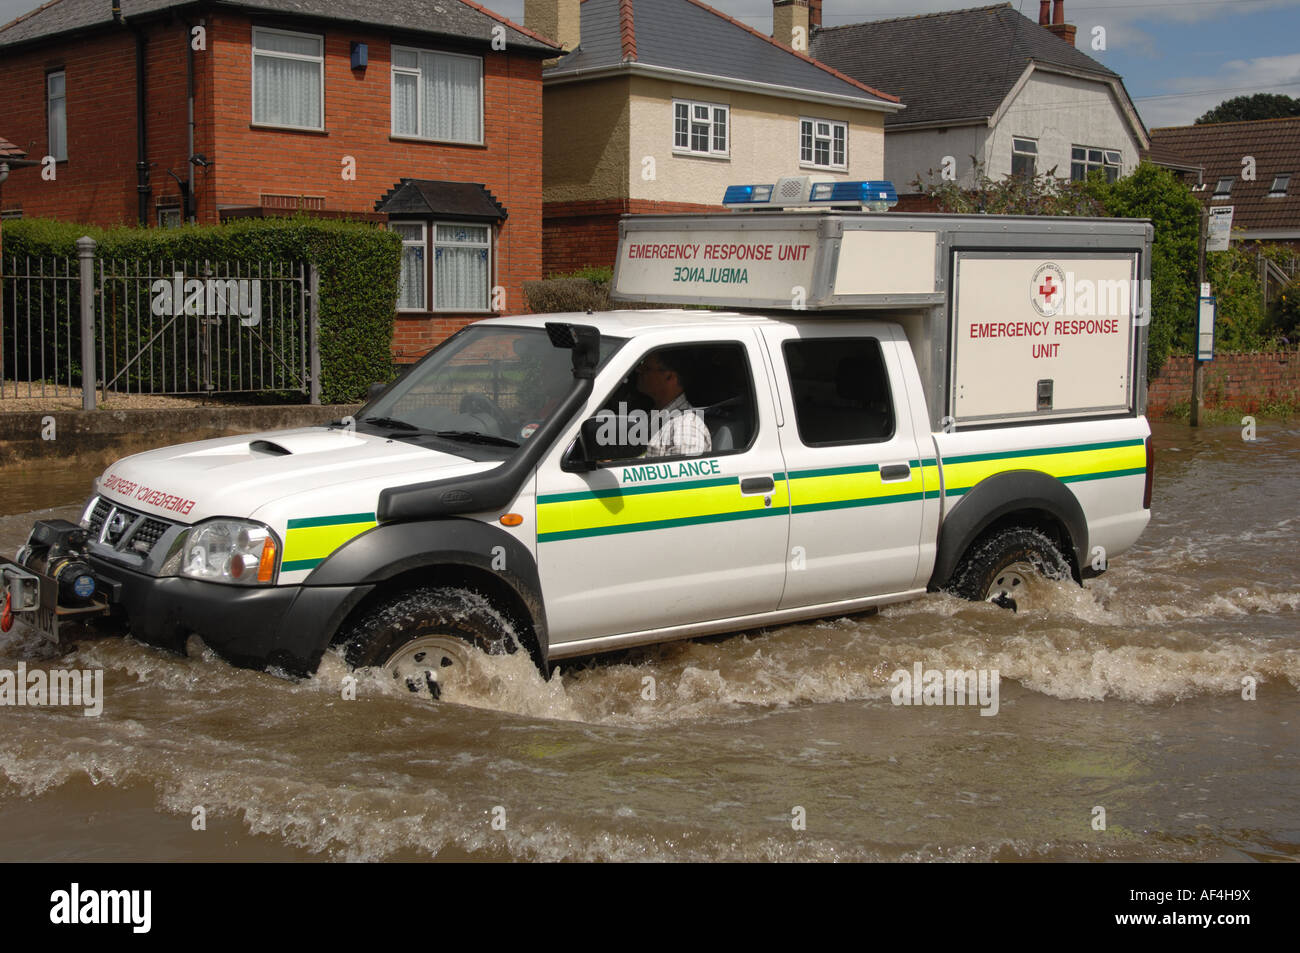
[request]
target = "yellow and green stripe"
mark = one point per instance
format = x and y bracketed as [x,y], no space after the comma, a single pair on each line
[636,509]
[309,540]
[1071,464]
[836,488]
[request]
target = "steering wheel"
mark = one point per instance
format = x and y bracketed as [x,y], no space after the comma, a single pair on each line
[479,404]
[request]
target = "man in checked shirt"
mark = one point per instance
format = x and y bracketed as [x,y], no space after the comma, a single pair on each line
[681,430]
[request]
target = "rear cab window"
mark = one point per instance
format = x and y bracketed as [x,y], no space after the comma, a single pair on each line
[841,391]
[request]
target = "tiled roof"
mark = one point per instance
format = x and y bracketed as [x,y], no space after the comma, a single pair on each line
[948,66]
[10,151]
[691,36]
[463,200]
[451,18]
[1220,148]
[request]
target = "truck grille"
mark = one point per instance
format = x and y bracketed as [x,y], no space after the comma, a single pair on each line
[125,529]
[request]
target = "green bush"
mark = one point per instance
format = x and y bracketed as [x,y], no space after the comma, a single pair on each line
[555,295]
[358,268]
[1284,315]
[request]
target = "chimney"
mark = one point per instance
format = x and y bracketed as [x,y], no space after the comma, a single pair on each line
[814,14]
[789,16]
[1058,25]
[1044,12]
[557,19]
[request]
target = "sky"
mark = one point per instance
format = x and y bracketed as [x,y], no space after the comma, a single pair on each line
[1178,59]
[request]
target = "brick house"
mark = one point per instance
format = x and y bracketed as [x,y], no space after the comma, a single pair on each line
[326,106]
[991,83]
[659,105]
[1254,166]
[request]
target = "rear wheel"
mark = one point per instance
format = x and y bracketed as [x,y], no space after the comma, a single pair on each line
[1010,567]
[429,640]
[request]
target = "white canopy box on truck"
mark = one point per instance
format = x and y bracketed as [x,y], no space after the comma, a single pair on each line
[1010,318]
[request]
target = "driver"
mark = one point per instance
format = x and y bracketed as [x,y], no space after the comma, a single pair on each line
[681,430]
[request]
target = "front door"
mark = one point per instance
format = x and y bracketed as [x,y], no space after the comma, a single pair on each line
[693,530]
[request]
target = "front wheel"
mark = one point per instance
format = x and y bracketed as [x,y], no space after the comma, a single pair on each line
[1011,568]
[430,640]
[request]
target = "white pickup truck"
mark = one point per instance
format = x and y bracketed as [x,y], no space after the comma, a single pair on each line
[898,404]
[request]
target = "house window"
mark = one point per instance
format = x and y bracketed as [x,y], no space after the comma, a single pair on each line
[169,216]
[462,266]
[11,214]
[700,128]
[1024,156]
[1280,184]
[437,96]
[1083,159]
[823,143]
[288,79]
[414,279]
[1224,189]
[56,106]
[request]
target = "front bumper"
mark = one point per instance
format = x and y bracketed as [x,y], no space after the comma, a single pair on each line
[284,627]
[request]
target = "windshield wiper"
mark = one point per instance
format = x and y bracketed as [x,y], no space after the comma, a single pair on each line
[392,423]
[473,436]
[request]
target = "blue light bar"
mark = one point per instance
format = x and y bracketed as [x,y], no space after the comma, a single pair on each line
[747,194]
[878,193]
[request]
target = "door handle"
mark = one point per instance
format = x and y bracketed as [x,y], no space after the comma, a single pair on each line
[763,484]
[895,472]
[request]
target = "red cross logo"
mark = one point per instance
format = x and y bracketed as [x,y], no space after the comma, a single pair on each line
[1047,290]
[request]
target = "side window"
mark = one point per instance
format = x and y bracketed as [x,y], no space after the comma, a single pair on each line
[685,401]
[841,391]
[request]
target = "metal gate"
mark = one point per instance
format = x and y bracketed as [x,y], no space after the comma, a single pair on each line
[204,327]
[132,327]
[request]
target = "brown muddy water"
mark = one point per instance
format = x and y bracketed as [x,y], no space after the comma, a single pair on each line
[1125,695]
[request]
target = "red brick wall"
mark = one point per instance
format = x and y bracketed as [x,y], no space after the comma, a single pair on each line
[1241,381]
[251,161]
[97,184]
[585,234]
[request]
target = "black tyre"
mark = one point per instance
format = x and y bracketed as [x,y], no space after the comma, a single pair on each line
[429,639]
[1009,567]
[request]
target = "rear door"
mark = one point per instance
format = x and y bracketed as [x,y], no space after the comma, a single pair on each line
[855,476]
[651,543]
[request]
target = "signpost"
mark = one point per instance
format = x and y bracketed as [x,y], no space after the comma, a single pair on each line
[1220,231]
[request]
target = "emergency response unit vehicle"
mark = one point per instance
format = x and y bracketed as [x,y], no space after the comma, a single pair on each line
[872,406]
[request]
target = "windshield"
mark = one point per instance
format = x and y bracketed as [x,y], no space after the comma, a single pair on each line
[487,384]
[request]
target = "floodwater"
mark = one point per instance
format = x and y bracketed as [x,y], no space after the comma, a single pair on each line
[1121,702]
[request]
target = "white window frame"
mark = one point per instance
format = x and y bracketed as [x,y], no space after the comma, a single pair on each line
[252,67]
[432,253]
[394,70]
[426,270]
[691,120]
[1024,146]
[1110,159]
[49,114]
[1277,191]
[429,242]
[831,125]
[1221,192]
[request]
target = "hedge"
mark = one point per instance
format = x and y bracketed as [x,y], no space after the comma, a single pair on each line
[358,268]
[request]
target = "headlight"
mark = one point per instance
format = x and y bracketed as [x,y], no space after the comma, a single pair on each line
[234,551]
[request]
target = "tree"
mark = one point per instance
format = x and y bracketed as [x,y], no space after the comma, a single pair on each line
[1257,106]
[1157,194]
